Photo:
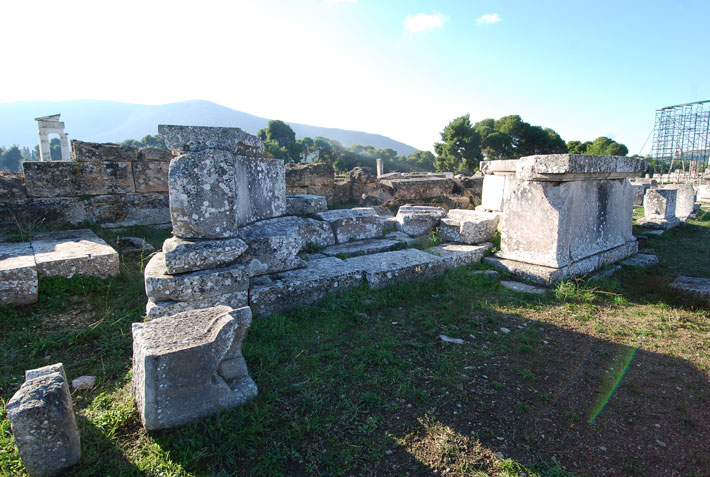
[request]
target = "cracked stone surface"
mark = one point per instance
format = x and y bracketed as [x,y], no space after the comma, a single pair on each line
[383,269]
[353,224]
[417,220]
[188,255]
[18,274]
[74,252]
[468,226]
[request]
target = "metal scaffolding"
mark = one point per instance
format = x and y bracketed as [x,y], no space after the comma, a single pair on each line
[681,135]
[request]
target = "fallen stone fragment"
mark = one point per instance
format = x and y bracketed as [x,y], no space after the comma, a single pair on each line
[468,226]
[132,245]
[693,287]
[278,292]
[383,269]
[305,204]
[190,365]
[74,252]
[83,382]
[640,260]
[43,423]
[362,247]
[523,287]
[418,219]
[161,286]
[455,254]
[188,255]
[505,330]
[18,274]
[446,339]
[353,224]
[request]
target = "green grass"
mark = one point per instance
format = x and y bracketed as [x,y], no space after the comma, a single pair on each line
[360,383]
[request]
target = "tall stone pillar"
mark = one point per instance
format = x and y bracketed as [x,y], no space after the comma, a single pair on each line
[51,125]
[44,152]
[379,167]
[64,142]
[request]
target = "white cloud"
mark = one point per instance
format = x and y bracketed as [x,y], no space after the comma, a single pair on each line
[423,22]
[489,18]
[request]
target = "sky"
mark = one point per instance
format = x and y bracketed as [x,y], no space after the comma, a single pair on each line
[403,69]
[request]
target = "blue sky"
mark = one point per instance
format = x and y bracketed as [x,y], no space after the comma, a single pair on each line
[402,69]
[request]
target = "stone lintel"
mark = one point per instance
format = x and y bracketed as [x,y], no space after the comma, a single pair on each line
[576,167]
[499,167]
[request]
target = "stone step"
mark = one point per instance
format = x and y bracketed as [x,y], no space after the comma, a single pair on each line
[418,219]
[18,274]
[468,226]
[74,252]
[362,247]
[383,269]
[353,224]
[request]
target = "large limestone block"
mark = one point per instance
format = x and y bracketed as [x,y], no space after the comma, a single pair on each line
[74,179]
[362,247]
[420,188]
[305,204]
[74,252]
[574,167]
[18,274]
[554,224]
[493,192]
[160,308]
[417,220]
[151,176]
[271,294]
[182,139]
[213,192]
[203,199]
[685,200]
[98,152]
[309,176]
[184,255]
[353,224]
[128,210]
[640,186]
[190,365]
[468,226]
[703,191]
[275,243]
[43,423]
[189,287]
[12,187]
[154,154]
[383,269]
[659,207]
[456,254]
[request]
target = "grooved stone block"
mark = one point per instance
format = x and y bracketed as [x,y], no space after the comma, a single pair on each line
[74,252]
[183,255]
[43,423]
[353,224]
[18,274]
[190,365]
[74,179]
[194,286]
[383,269]
[271,294]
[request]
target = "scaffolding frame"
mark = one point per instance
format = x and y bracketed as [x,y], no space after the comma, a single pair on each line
[681,135]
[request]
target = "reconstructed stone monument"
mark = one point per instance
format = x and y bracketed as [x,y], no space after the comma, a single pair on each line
[43,423]
[659,207]
[566,215]
[52,125]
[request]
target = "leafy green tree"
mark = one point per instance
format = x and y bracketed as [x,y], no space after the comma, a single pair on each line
[280,141]
[147,141]
[10,159]
[525,139]
[577,147]
[422,160]
[460,149]
[601,146]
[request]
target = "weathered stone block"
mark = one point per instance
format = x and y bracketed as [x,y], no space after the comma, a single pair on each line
[190,365]
[151,176]
[271,294]
[556,224]
[189,287]
[640,186]
[309,175]
[468,226]
[353,224]
[692,287]
[99,152]
[499,167]
[420,188]
[154,154]
[659,209]
[574,167]
[212,193]
[305,204]
[455,254]
[493,192]
[43,423]
[183,255]
[127,210]
[362,247]
[157,309]
[383,269]
[18,274]
[73,179]
[418,219]
[74,252]
[182,139]
[12,187]
[685,200]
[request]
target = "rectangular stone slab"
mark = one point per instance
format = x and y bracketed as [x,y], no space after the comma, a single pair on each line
[353,224]
[161,286]
[383,269]
[74,252]
[183,255]
[190,365]
[458,254]
[74,179]
[362,247]
[158,309]
[181,139]
[274,293]
[575,167]
[18,274]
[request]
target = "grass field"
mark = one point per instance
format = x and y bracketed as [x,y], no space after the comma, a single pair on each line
[594,378]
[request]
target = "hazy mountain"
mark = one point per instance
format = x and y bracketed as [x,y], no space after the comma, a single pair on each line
[110,121]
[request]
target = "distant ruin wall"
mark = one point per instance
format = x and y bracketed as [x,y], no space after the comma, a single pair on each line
[106,184]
